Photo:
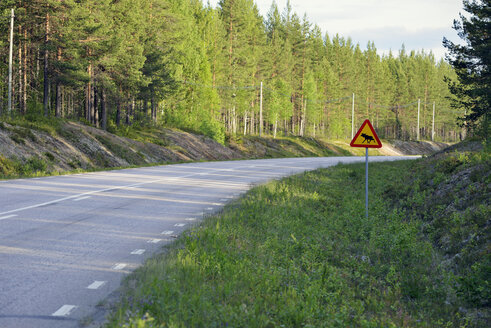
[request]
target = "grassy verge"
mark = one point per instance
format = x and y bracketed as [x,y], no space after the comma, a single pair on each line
[299,253]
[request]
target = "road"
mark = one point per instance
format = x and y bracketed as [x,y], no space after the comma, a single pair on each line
[67,241]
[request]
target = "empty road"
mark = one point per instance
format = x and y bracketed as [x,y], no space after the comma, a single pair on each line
[66,241]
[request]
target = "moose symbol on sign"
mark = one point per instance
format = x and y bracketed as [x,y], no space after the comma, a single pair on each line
[367,138]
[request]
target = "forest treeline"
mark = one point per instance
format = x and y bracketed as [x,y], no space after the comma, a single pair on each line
[214,70]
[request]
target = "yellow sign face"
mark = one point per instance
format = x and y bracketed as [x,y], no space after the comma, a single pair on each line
[366,137]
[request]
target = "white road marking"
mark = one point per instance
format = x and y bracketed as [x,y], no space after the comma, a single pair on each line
[119,266]
[167,232]
[209,208]
[95,192]
[190,219]
[224,200]
[64,311]
[218,204]
[8,216]
[138,252]
[96,284]
[81,198]
[154,241]
[179,224]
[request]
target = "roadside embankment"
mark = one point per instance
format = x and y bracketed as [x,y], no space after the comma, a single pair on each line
[57,146]
[300,253]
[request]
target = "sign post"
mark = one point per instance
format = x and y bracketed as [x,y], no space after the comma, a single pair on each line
[366,138]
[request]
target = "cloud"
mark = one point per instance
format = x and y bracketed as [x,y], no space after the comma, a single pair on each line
[389,23]
[393,37]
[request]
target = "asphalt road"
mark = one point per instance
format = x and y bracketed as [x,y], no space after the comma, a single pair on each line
[66,241]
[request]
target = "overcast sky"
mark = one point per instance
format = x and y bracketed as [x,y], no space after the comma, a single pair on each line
[418,24]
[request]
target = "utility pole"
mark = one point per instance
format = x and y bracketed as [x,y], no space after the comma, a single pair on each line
[433,124]
[417,132]
[353,117]
[261,111]
[10,60]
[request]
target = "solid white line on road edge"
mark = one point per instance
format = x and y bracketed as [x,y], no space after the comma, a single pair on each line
[167,232]
[64,311]
[81,198]
[138,252]
[96,284]
[119,266]
[8,216]
[218,204]
[154,241]
[179,224]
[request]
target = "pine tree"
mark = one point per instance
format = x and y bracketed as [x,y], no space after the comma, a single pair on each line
[472,63]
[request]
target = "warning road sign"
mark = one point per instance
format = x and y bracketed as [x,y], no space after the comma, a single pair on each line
[366,137]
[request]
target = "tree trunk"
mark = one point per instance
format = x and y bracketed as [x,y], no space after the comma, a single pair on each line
[24,89]
[88,96]
[21,102]
[46,78]
[128,112]
[103,109]
[118,112]
[245,123]
[58,100]
[153,108]
[58,90]
[95,107]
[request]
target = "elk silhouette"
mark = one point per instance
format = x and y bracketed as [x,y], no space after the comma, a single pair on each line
[367,138]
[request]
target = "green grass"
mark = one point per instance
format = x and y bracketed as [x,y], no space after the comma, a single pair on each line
[300,253]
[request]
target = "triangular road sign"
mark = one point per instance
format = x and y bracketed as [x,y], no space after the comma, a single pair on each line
[366,137]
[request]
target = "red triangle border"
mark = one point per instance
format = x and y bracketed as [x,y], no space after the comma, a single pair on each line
[379,145]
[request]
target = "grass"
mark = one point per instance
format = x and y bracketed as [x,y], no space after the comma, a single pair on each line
[300,253]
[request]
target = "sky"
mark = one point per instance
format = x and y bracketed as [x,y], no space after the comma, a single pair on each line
[418,24]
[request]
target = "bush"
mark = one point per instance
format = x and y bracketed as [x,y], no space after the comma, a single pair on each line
[214,130]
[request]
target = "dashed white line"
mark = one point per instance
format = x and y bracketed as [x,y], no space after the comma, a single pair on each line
[8,216]
[154,241]
[167,232]
[179,224]
[64,311]
[209,208]
[190,219]
[119,266]
[138,252]
[96,284]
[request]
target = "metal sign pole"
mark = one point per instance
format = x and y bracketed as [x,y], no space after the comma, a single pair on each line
[364,138]
[366,182]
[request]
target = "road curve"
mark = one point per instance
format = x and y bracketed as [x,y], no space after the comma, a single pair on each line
[66,241]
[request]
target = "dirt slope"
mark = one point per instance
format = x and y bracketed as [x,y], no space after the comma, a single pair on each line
[28,149]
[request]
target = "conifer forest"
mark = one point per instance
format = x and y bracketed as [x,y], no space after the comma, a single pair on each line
[219,71]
